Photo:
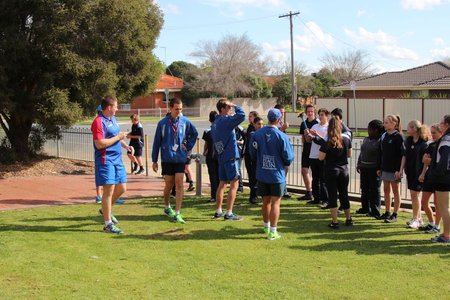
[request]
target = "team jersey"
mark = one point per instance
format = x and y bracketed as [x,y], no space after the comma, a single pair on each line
[104,128]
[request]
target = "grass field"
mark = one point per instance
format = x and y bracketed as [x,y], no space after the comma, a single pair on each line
[61,253]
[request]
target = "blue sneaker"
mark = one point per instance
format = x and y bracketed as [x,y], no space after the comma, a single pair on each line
[111,228]
[120,201]
[98,199]
[218,215]
[232,217]
[113,219]
[441,239]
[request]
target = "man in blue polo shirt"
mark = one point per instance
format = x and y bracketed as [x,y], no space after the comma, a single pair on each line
[109,169]
[175,136]
[273,154]
[224,138]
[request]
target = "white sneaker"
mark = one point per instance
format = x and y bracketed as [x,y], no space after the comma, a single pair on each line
[410,221]
[414,224]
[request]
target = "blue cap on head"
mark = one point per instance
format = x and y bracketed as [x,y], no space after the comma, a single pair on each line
[99,108]
[274,114]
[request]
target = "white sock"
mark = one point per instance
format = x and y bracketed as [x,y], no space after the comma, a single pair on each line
[273,229]
[219,210]
[108,222]
[177,212]
[229,212]
[432,223]
[266,225]
[167,206]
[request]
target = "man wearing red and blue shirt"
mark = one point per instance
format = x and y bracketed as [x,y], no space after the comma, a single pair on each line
[109,169]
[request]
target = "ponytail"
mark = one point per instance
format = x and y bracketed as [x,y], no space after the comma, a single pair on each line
[398,126]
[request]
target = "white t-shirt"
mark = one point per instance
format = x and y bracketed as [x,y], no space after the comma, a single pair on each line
[322,130]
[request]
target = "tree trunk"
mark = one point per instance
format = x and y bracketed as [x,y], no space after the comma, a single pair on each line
[19,132]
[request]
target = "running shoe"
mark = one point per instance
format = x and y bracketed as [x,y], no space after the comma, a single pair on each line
[178,219]
[120,201]
[232,217]
[391,219]
[191,187]
[111,228]
[266,230]
[113,219]
[349,222]
[414,224]
[218,215]
[273,236]
[384,216]
[426,227]
[307,196]
[435,229]
[286,196]
[169,212]
[141,171]
[361,211]
[98,199]
[440,239]
[333,225]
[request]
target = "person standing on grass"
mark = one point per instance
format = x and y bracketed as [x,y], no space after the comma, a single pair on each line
[415,146]
[392,164]
[440,176]
[427,184]
[175,136]
[136,137]
[273,153]
[211,158]
[224,138]
[306,125]
[335,152]
[249,163]
[283,126]
[109,169]
[318,135]
[367,166]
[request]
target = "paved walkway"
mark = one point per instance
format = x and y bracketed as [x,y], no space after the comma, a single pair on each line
[19,193]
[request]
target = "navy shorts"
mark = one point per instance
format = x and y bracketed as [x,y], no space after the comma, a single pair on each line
[270,189]
[170,169]
[110,174]
[428,186]
[306,161]
[229,170]
[137,151]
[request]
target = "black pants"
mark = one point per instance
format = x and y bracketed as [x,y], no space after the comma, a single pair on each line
[213,172]
[251,171]
[319,187]
[337,182]
[370,191]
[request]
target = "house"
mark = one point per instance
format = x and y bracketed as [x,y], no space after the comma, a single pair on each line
[427,81]
[168,87]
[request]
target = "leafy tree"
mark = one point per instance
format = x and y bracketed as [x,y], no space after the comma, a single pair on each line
[323,83]
[223,63]
[182,70]
[282,90]
[349,65]
[261,89]
[58,57]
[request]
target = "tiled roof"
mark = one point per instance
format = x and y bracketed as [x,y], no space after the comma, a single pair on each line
[436,74]
[169,82]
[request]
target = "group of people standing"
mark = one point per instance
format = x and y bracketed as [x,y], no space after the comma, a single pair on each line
[327,145]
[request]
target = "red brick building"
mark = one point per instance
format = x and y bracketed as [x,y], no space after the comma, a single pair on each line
[427,81]
[166,83]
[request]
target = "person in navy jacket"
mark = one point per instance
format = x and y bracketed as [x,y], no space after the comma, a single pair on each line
[273,152]
[224,138]
[175,136]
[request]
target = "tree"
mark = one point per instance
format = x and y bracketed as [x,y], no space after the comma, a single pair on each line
[282,89]
[323,83]
[58,57]
[182,70]
[261,89]
[223,63]
[349,65]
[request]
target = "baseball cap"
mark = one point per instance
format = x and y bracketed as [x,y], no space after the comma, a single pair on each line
[99,108]
[274,114]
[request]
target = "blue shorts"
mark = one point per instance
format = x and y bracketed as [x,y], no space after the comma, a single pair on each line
[271,189]
[229,170]
[110,174]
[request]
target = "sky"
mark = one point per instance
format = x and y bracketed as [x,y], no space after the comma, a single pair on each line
[396,34]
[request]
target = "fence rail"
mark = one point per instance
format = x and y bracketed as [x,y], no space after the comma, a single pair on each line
[76,143]
[157,112]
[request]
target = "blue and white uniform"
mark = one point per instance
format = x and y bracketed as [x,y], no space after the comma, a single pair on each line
[273,153]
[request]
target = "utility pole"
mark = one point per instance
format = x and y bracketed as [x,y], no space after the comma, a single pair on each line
[293,85]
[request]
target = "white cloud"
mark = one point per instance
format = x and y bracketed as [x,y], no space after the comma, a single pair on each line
[393,51]
[361,13]
[420,4]
[313,37]
[171,9]
[439,41]
[442,53]
[364,36]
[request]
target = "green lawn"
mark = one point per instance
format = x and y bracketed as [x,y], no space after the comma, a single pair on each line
[61,253]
